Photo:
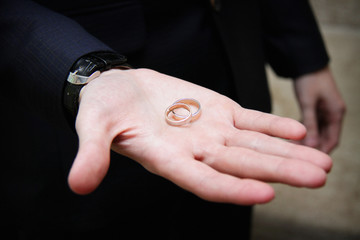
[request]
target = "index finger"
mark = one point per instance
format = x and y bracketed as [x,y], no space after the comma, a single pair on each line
[211,185]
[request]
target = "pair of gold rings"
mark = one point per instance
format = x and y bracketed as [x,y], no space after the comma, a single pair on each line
[182,112]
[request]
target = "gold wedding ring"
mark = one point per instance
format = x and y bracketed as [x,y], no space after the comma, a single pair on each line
[169,115]
[177,119]
[190,102]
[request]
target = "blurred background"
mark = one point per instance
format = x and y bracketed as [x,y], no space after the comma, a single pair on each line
[332,212]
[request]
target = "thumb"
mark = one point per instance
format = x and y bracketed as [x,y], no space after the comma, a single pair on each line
[92,161]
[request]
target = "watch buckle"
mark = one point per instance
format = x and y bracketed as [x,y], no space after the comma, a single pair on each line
[80,80]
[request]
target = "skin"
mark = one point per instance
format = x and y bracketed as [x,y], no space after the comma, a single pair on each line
[322,109]
[227,155]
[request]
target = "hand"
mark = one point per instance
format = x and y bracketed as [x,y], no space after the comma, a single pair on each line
[322,109]
[224,156]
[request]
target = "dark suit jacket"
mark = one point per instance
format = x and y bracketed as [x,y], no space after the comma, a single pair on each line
[223,49]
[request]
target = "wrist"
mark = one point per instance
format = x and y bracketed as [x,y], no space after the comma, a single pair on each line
[102,77]
[84,70]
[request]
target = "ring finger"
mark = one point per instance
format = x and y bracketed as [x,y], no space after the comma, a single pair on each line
[278,147]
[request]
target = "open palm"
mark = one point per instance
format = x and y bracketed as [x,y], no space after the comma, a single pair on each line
[227,155]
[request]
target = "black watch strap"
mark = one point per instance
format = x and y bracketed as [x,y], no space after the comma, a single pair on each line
[84,70]
[71,102]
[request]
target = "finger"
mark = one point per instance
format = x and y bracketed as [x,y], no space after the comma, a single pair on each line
[247,163]
[268,124]
[93,158]
[310,121]
[212,185]
[330,129]
[272,146]
[329,137]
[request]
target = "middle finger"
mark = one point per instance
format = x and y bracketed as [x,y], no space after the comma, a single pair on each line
[247,163]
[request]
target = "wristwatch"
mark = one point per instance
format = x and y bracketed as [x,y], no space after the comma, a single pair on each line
[84,70]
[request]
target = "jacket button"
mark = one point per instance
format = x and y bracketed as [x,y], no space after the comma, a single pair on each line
[216,5]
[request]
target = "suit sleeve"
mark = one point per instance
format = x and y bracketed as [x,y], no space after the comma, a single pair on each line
[292,40]
[37,49]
